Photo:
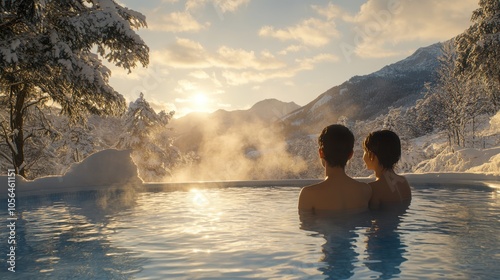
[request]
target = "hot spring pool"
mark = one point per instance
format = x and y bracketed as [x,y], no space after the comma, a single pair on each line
[448,232]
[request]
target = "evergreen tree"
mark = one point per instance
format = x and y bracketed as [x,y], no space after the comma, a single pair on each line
[142,126]
[478,48]
[46,54]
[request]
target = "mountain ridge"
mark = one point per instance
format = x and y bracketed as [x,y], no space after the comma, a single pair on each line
[365,97]
[357,99]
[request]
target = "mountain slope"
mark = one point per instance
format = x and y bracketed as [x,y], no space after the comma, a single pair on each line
[192,128]
[365,97]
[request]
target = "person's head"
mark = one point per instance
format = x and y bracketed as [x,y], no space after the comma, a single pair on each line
[383,146]
[336,144]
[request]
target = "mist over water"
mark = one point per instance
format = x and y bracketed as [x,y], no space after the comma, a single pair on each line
[243,150]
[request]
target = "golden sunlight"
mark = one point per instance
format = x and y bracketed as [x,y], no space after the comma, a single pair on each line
[199,198]
[200,99]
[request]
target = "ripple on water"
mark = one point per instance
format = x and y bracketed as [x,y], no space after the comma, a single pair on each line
[230,233]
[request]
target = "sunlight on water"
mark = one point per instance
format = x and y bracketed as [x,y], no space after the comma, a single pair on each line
[199,198]
[227,233]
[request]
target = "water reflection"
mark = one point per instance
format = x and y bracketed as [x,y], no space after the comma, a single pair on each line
[63,236]
[340,233]
[385,248]
[371,238]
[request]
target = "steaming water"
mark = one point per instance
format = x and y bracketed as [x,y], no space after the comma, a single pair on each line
[254,233]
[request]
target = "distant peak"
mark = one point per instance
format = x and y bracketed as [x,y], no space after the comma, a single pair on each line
[272,102]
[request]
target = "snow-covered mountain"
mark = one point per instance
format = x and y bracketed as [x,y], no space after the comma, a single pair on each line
[365,97]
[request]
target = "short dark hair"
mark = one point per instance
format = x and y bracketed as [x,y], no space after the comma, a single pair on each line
[337,143]
[385,144]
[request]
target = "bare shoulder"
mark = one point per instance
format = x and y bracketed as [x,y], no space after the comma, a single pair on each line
[399,181]
[312,188]
[306,197]
[404,187]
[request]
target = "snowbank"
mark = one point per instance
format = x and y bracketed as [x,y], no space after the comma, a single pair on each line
[107,168]
[455,178]
[486,161]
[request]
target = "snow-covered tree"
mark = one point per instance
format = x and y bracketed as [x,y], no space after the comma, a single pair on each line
[460,98]
[451,98]
[427,114]
[46,53]
[77,142]
[478,48]
[144,134]
[107,129]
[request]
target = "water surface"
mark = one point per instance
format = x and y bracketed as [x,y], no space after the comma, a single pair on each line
[253,233]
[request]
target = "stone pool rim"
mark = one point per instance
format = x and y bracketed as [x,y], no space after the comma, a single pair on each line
[26,188]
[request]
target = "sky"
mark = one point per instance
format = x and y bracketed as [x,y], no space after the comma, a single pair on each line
[207,55]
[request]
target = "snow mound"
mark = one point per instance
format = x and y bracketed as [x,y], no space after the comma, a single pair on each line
[420,149]
[490,167]
[107,168]
[486,161]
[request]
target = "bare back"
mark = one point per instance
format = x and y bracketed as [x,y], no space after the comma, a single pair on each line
[335,194]
[391,189]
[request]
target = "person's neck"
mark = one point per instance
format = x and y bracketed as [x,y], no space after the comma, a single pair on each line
[380,171]
[334,172]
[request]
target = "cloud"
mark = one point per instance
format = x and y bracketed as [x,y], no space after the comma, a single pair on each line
[185,53]
[291,49]
[237,66]
[235,78]
[199,74]
[331,12]
[381,26]
[195,4]
[161,105]
[241,59]
[220,5]
[308,63]
[177,22]
[245,77]
[313,32]
[185,85]
[230,5]
[144,80]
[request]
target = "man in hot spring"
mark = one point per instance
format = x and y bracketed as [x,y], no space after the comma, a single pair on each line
[338,192]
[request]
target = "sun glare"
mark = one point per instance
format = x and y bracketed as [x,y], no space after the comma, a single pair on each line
[200,99]
[199,198]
